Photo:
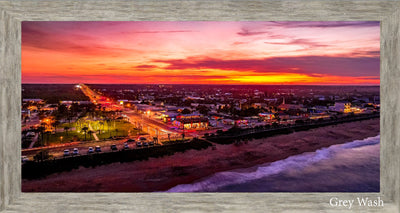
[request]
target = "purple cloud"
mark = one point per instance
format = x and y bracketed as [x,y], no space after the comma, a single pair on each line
[310,65]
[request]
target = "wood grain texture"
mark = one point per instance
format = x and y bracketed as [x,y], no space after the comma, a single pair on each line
[13,12]
[10,168]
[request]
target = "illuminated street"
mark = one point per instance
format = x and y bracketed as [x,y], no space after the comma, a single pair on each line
[152,127]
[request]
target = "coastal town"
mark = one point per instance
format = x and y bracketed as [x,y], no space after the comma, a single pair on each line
[149,115]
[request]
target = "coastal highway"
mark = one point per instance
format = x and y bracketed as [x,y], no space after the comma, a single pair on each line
[58,151]
[154,128]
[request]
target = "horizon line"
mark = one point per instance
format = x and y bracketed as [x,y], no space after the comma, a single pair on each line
[212,84]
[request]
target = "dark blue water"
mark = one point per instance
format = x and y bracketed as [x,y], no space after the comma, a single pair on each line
[349,167]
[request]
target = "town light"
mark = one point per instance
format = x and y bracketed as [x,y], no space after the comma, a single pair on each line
[121,102]
[78,86]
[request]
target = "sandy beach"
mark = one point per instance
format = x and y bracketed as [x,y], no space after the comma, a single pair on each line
[160,174]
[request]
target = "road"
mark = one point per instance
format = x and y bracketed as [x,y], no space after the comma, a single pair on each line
[58,151]
[152,127]
[34,140]
[33,122]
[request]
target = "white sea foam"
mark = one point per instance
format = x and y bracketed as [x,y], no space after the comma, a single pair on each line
[296,163]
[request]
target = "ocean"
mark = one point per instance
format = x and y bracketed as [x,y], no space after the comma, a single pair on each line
[348,167]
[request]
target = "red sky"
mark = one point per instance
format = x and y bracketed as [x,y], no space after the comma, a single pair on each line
[331,53]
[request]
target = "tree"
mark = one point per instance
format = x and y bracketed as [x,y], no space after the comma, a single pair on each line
[41,129]
[62,110]
[55,124]
[66,130]
[42,155]
[155,139]
[48,136]
[186,111]
[90,132]
[116,132]
[203,109]
[85,129]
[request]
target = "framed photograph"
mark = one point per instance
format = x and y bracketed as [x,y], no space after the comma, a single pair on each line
[275,107]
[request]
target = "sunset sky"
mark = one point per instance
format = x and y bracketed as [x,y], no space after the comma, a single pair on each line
[303,53]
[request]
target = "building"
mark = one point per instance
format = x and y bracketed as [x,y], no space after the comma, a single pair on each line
[168,116]
[68,103]
[191,121]
[266,116]
[25,113]
[286,107]
[341,106]
[122,101]
[33,100]
[259,105]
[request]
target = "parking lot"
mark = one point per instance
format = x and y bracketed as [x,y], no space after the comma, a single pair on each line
[83,147]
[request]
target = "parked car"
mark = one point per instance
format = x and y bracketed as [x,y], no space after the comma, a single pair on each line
[142,139]
[145,144]
[24,159]
[97,149]
[90,150]
[151,143]
[75,151]
[30,134]
[126,146]
[66,153]
[113,147]
[139,144]
[130,140]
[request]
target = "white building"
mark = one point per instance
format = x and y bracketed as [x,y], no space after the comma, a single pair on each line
[341,106]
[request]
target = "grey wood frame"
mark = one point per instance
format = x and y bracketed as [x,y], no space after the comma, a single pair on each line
[13,12]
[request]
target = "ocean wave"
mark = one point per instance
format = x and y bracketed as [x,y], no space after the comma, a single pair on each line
[293,163]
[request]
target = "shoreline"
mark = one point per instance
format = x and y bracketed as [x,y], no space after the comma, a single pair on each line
[161,174]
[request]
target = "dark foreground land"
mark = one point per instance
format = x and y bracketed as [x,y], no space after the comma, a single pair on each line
[53,93]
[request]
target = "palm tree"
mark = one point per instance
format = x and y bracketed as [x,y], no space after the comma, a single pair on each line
[55,124]
[108,121]
[155,139]
[41,130]
[66,130]
[101,123]
[69,118]
[48,137]
[99,133]
[90,132]
[85,129]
